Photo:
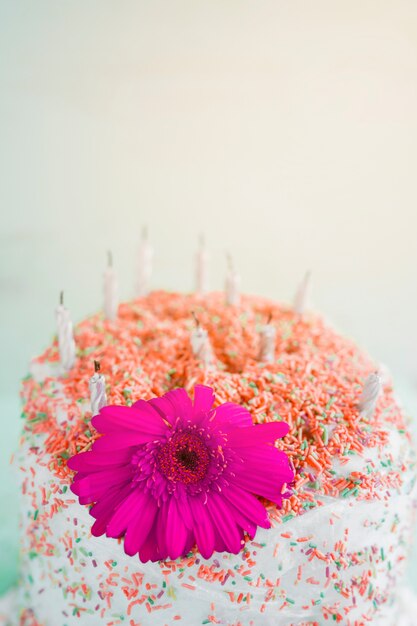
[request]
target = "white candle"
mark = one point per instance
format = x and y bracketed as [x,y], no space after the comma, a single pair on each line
[303,293]
[232,284]
[201,282]
[267,339]
[111,303]
[201,346]
[144,264]
[97,386]
[370,393]
[66,343]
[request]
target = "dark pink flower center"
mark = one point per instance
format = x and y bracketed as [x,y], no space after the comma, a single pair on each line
[185,458]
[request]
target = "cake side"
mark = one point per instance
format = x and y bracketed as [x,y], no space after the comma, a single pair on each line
[342,461]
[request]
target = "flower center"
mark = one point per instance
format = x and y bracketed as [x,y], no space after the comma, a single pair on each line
[185,458]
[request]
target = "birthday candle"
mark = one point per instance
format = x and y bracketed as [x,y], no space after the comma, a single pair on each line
[303,293]
[144,264]
[200,345]
[370,393]
[111,302]
[201,268]
[267,338]
[66,343]
[97,386]
[232,284]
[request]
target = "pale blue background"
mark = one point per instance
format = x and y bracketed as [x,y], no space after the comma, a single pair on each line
[286,131]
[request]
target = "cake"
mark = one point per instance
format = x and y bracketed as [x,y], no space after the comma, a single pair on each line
[337,545]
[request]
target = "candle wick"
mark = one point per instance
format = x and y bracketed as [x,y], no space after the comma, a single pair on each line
[109,258]
[96,366]
[196,320]
[269,320]
[61,298]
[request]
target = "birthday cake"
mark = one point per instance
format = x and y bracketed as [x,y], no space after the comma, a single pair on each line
[194,462]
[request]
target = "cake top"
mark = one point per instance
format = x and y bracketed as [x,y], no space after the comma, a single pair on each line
[314,384]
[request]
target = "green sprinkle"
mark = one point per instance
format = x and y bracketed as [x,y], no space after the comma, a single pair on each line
[289,600]
[330,402]
[36,514]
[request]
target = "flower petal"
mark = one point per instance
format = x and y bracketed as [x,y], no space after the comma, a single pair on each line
[203,399]
[126,512]
[190,542]
[139,417]
[90,488]
[95,461]
[138,530]
[161,524]
[176,531]
[241,520]
[107,504]
[262,433]
[249,506]
[224,522]
[99,527]
[174,404]
[267,460]
[203,527]
[149,551]
[232,415]
[111,442]
[219,544]
[184,506]
[266,485]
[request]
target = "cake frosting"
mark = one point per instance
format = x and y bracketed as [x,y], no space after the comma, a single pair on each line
[338,545]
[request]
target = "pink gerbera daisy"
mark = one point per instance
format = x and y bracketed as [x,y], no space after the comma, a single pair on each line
[171,473]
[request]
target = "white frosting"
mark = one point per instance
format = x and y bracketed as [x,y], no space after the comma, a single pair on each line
[377,530]
[345,557]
